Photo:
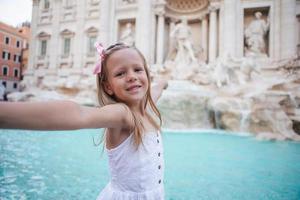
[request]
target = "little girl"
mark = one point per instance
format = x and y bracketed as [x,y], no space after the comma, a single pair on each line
[132,138]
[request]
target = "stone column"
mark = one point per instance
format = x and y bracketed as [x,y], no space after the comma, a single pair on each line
[33,40]
[160,38]
[53,50]
[230,27]
[143,27]
[204,24]
[298,17]
[212,54]
[104,22]
[288,28]
[275,32]
[78,39]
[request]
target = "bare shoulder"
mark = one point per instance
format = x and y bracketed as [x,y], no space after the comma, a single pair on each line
[110,116]
[122,111]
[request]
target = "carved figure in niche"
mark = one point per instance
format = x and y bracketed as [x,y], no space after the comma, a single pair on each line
[255,36]
[127,35]
[181,61]
[183,45]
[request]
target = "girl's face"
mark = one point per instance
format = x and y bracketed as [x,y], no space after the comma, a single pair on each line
[126,76]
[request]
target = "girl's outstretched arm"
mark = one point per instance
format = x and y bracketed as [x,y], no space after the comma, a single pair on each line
[60,115]
[157,89]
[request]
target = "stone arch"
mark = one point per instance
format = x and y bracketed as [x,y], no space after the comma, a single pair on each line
[186,6]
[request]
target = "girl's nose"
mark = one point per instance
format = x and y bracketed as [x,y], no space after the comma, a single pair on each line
[131,76]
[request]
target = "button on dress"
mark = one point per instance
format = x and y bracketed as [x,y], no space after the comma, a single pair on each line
[136,173]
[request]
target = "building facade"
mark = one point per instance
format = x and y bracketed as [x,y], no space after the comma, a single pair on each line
[13,44]
[64,32]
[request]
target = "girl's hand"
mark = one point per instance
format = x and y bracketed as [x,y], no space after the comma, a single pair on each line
[163,83]
[157,88]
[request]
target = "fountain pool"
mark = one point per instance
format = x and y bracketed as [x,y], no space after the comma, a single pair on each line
[66,165]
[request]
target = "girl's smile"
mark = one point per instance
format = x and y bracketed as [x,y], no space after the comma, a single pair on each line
[134,88]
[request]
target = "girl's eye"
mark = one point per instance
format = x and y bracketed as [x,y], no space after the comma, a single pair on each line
[120,74]
[139,69]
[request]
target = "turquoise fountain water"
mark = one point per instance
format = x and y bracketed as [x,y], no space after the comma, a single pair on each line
[66,165]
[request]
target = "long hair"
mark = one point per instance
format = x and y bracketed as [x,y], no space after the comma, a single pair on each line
[105,99]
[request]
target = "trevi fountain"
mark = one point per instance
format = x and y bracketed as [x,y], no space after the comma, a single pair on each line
[231,64]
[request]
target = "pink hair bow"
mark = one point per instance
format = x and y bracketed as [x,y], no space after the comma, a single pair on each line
[100,50]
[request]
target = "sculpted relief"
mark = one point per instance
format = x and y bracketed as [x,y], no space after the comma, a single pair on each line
[181,35]
[127,34]
[182,58]
[256,36]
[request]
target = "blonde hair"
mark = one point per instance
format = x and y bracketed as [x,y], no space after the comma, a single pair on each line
[105,99]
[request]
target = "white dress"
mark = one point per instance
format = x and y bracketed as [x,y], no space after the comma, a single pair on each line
[136,173]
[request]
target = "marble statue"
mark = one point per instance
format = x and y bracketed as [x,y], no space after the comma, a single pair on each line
[229,70]
[181,34]
[255,36]
[127,35]
[241,69]
[182,61]
[221,72]
[247,68]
